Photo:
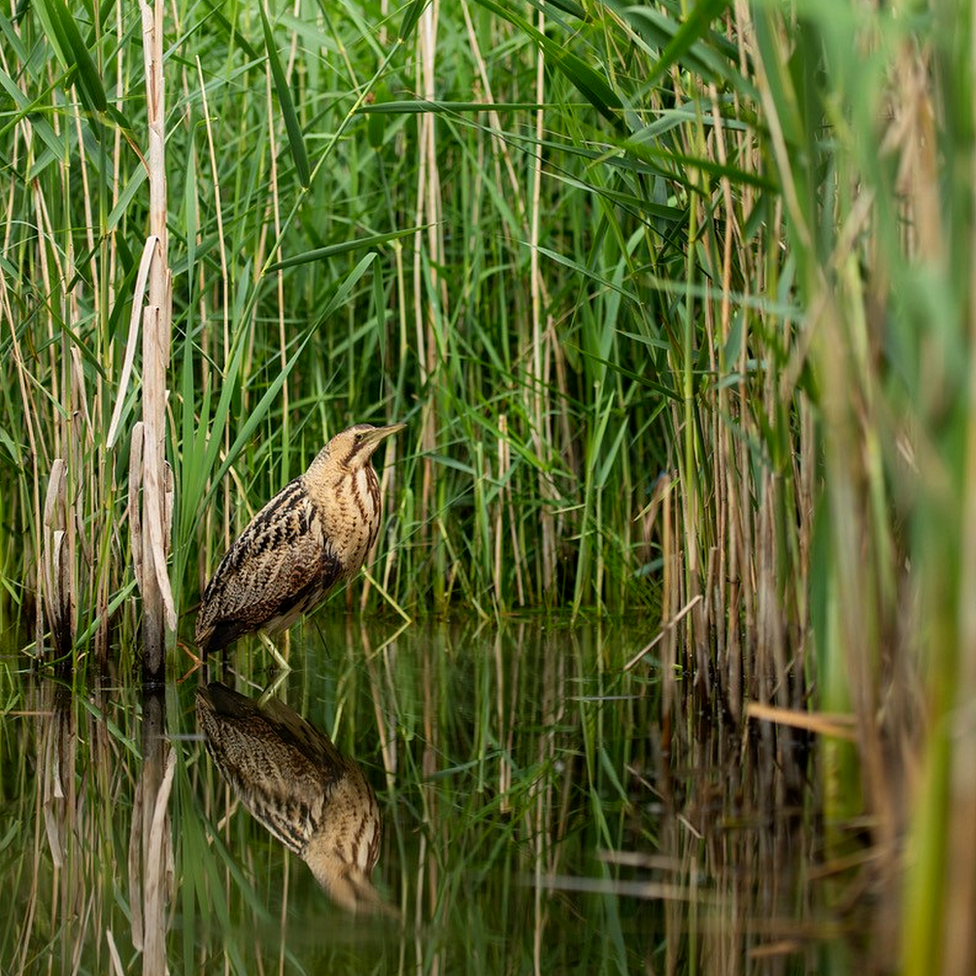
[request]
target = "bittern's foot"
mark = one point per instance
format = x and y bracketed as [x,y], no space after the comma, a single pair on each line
[197,662]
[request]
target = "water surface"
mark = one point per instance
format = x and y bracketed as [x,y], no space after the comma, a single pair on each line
[540,813]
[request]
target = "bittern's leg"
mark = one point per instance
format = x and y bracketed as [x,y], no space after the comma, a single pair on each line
[273,651]
[197,662]
[273,686]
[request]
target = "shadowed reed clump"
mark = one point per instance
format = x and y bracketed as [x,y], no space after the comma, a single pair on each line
[314,533]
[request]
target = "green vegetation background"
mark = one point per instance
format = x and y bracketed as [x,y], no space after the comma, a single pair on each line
[675,298]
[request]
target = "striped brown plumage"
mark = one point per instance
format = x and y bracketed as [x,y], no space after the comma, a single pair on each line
[295,782]
[313,534]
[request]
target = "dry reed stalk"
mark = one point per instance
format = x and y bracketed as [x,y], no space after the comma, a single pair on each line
[117,157]
[37,541]
[388,492]
[667,628]
[59,596]
[159,611]
[150,855]
[158,875]
[494,123]
[22,128]
[384,700]
[839,726]
[128,362]
[429,212]
[274,206]
[225,300]
[57,789]
[545,851]
[540,341]
[504,718]
[723,592]
[434,824]
[497,530]
[506,505]
[670,601]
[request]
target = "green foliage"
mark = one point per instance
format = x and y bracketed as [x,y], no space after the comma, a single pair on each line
[675,298]
[307,295]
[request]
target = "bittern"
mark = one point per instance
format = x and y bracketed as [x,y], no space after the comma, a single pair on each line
[295,782]
[313,534]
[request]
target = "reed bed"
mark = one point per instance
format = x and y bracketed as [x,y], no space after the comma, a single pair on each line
[676,301]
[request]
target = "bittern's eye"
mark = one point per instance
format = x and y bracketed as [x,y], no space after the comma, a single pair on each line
[359,438]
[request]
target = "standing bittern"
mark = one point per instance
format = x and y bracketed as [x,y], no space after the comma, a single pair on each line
[294,781]
[314,533]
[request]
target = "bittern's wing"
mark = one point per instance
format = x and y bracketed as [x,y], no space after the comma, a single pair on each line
[300,734]
[279,567]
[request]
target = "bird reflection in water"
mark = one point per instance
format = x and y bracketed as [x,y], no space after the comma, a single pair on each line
[293,779]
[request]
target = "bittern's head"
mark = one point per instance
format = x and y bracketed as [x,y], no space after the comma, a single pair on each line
[353,447]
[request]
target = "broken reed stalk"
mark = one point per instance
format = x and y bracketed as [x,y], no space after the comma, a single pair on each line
[159,612]
[59,597]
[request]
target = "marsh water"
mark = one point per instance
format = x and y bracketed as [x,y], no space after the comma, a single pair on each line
[542,811]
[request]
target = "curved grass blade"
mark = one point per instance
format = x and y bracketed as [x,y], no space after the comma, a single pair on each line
[411,17]
[692,44]
[590,83]
[343,292]
[567,6]
[692,30]
[295,138]
[78,60]
[320,253]
[422,106]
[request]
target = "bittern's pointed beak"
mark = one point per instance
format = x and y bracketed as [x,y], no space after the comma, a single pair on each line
[380,433]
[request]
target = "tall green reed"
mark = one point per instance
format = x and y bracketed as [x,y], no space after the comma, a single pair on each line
[874,153]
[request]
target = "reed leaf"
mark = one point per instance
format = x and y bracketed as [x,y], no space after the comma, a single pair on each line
[296,139]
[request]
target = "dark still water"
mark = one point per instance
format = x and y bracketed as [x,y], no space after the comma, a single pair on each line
[449,798]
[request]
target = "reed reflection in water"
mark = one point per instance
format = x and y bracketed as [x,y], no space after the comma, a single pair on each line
[542,813]
[295,782]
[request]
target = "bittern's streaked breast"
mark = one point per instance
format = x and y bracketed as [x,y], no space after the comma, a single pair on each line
[314,533]
[294,781]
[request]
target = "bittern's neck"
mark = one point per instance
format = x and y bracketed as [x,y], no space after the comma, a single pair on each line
[327,476]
